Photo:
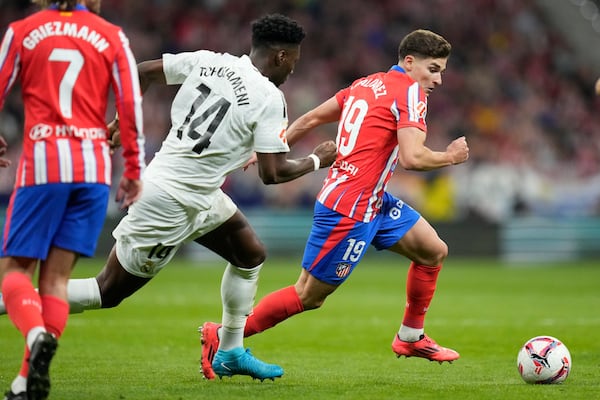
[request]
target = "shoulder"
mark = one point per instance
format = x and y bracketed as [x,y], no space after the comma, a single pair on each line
[260,83]
[19,29]
[191,57]
[108,27]
[24,23]
[268,96]
[399,80]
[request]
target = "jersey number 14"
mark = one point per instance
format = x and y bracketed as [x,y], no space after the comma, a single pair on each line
[213,113]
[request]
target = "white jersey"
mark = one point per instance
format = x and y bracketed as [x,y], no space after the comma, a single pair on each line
[224,110]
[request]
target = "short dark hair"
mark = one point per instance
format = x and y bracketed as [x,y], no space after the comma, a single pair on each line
[425,44]
[276,29]
[61,4]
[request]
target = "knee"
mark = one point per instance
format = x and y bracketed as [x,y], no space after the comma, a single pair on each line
[442,252]
[435,255]
[252,256]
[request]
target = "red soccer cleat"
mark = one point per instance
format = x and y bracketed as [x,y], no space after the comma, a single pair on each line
[424,348]
[210,344]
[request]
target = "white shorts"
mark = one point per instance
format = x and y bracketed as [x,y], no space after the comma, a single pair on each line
[157,225]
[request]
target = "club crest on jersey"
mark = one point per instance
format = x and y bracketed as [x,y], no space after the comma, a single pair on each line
[421,109]
[343,269]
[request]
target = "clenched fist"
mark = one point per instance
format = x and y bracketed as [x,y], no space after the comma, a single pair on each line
[327,152]
[458,150]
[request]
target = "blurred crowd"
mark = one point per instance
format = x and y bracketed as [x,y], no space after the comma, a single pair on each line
[513,87]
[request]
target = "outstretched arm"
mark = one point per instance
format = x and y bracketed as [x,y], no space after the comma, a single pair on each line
[276,168]
[329,111]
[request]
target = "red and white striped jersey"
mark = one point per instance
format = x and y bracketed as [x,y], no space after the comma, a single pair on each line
[373,109]
[66,63]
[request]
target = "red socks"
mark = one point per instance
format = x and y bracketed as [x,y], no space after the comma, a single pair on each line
[284,303]
[28,310]
[272,309]
[23,303]
[420,287]
[55,312]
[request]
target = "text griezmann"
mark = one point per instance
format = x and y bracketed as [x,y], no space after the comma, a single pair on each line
[58,28]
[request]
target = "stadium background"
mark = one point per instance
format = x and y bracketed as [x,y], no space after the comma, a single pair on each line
[519,85]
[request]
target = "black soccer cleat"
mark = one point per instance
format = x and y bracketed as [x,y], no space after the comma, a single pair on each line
[38,378]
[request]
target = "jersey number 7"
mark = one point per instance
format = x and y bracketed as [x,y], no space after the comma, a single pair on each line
[67,83]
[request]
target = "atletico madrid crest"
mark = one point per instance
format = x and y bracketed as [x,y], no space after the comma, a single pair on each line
[343,269]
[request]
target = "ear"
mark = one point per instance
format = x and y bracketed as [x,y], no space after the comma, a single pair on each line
[408,62]
[280,57]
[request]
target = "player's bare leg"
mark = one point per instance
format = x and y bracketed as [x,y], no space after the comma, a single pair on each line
[115,283]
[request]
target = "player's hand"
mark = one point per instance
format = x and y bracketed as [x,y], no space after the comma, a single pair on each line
[114,135]
[597,87]
[327,152]
[253,160]
[130,190]
[4,162]
[458,150]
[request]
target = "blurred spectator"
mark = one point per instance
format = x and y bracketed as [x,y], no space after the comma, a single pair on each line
[515,89]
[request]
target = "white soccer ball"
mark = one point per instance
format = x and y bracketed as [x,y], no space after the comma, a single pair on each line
[544,360]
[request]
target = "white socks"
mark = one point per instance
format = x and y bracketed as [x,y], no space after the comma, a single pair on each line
[83,294]
[238,290]
[33,334]
[19,384]
[409,334]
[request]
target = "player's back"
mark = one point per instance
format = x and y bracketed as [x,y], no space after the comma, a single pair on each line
[65,62]
[224,110]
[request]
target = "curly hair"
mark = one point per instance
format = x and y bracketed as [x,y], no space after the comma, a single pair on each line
[425,44]
[276,29]
[62,4]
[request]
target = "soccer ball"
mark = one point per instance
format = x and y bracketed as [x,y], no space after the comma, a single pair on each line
[544,360]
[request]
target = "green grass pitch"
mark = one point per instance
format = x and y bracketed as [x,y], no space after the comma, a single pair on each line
[148,348]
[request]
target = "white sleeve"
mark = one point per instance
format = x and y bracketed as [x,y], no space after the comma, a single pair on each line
[177,67]
[270,132]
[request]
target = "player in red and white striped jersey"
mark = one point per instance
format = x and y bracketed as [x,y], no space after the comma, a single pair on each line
[66,59]
[381,124]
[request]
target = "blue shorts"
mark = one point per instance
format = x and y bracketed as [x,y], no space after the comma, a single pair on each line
[337,243]
[65,215]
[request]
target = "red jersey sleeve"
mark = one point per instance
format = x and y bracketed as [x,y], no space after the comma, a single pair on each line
[411,106]
[128,98]
[9,67]
[341,96]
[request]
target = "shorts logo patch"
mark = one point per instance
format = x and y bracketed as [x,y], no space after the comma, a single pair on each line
[396,211]
[148,267]
[343,269]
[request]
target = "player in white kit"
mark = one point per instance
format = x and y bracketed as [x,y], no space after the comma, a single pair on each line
[226,108]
